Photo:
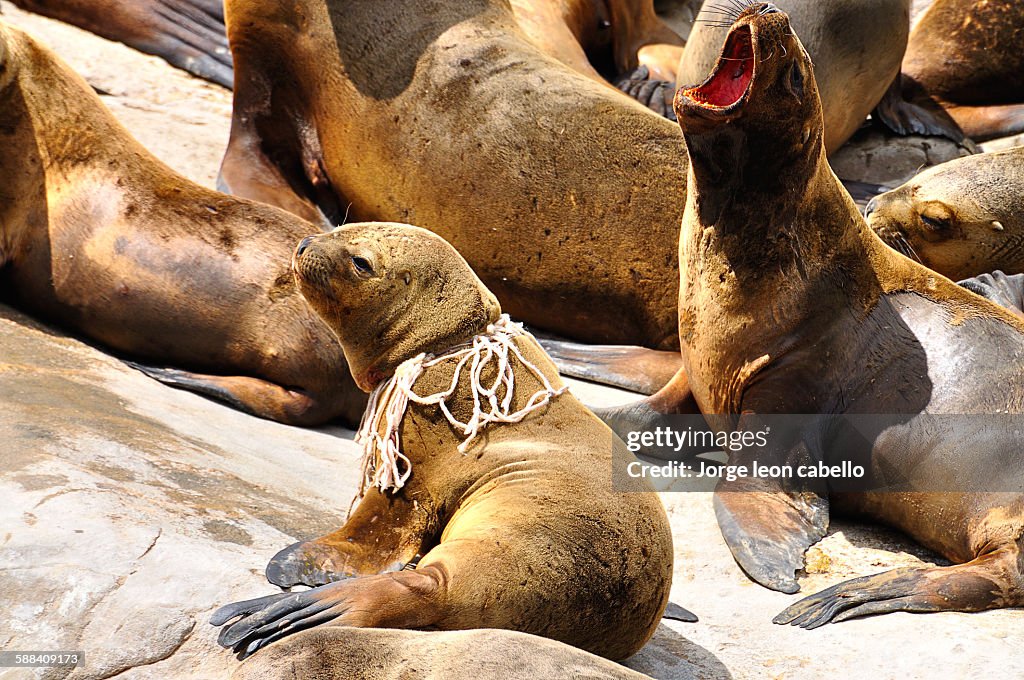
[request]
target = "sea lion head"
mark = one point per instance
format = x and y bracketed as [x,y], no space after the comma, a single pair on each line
[390,292]
[942,219]
[759,108]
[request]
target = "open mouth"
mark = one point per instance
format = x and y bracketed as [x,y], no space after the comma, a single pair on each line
[733,73]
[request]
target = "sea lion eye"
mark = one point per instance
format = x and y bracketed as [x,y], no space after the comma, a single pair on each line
[935,223]
[796,80]
[362,266]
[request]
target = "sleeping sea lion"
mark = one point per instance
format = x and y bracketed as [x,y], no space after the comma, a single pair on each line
[790,304]
[99,236]
[477,459]
[961,218]
[188,34]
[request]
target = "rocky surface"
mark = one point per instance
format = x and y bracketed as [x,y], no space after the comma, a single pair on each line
[131,510]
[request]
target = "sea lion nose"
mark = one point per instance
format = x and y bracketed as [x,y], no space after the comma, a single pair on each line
[871,207]
[303,244]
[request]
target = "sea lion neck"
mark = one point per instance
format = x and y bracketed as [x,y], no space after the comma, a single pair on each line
[391,292]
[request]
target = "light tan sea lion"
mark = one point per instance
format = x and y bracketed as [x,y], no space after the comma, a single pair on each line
[791,306]
[99,236]
[962,218]
[518,526]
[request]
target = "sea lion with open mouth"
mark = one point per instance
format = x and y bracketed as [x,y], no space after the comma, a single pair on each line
[476,458]
[790,304]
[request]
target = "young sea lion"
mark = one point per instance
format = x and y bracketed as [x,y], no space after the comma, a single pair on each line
[477,459]
[790,304]
[99,236]
[188,34]
[961,218]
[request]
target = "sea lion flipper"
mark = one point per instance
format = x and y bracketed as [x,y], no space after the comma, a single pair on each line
[1003,289]
[637,369]
[654,94]
[252,395]
[769,531]
[973,586]
[674,612]
[916,116]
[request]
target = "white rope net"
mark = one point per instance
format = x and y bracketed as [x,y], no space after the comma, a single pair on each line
[384,464]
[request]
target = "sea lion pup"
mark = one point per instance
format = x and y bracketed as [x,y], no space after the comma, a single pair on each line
[476,458]
[188,34]
[856,47]
[608,41]
[99,236]
[962,218]
[446,115]
[966,54]
[790,304]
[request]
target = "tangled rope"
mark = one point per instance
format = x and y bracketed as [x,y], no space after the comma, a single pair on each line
[384,464]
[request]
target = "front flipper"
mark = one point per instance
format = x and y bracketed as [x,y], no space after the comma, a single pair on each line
[656,95]
[907,110]
[988,582]
[768,532]
[364,546]
[1003,289]
[637,369]
[251,395]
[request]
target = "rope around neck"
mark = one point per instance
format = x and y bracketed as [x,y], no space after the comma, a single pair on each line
[384,464]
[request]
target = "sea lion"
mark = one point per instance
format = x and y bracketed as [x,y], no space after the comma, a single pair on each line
[790,304]
[564,196]
[607,40]
[99,236]
[961,218]
[375,654]
[856,47]
[476,458]
[188,34]
[966,54]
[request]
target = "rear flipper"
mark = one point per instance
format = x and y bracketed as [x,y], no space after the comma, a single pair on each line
[673,406]
[637,369]
[982,123]
[656,95]
[907,110]
[251,395]
[991,581]
[674,612]
[1002,289]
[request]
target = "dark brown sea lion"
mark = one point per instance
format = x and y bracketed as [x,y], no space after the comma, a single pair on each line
[856,47]
[966,54]
[188,34]
[518,527]
[564,196]
[790,304]
[98,235]
[962,218]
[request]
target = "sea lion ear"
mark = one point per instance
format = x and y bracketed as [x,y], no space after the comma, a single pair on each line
[997,225]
